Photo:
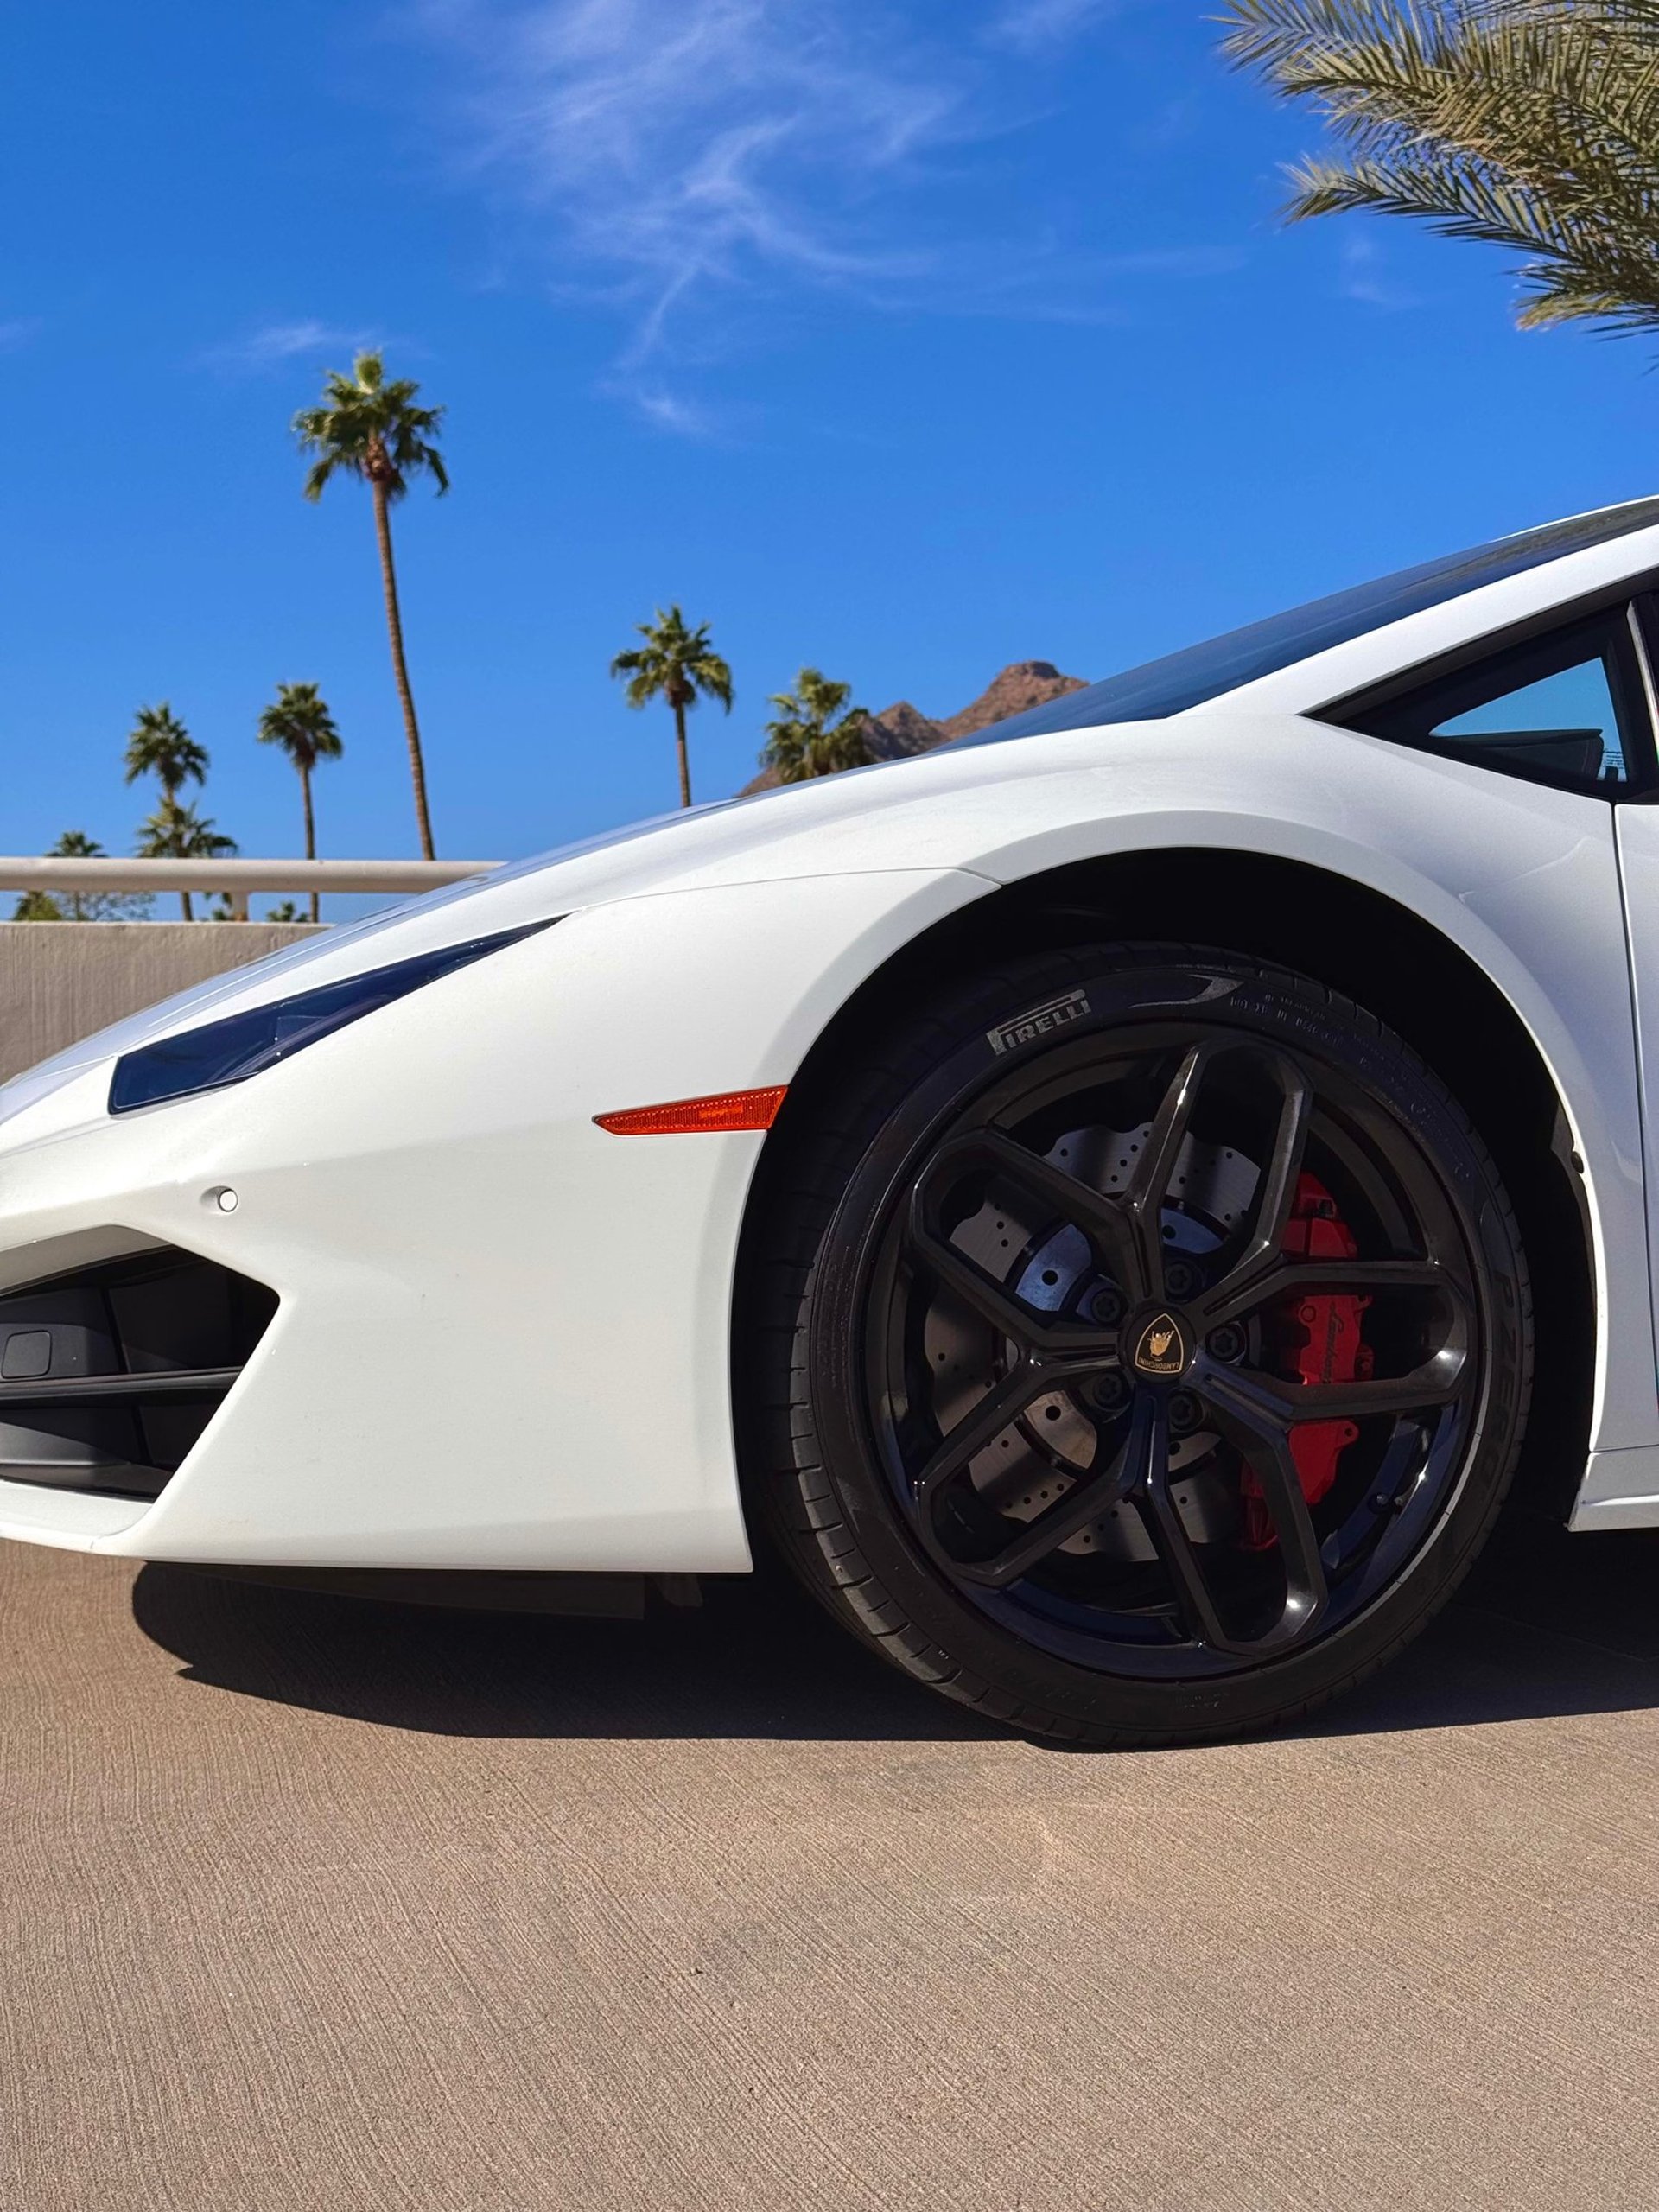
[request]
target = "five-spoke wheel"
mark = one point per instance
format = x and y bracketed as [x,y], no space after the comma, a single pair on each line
[1166,1347]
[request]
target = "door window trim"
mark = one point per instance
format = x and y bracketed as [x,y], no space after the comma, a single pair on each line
[1644,628]
[1636,658]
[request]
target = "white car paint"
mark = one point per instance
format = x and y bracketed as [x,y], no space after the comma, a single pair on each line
[502,1338]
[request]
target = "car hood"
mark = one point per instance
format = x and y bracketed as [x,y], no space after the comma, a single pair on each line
[958,808]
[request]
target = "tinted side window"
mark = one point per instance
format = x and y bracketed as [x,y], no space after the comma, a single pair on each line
[1564,708]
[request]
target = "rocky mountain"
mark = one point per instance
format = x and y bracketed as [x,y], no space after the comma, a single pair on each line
[902,729]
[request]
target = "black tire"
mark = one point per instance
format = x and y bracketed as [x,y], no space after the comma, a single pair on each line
[1213,1592]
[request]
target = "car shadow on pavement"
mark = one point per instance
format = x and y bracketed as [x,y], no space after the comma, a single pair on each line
[755,1659]
[1548,1624]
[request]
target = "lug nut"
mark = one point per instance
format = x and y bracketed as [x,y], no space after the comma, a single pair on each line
[1111,1394]
[1227,1342]
[1186,1414]
[1106,1306]
[1181,1279]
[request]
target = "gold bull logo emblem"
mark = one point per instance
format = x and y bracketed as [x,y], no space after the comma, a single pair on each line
[1160,1350]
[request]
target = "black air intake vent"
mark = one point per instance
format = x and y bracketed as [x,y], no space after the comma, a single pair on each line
[108,1376]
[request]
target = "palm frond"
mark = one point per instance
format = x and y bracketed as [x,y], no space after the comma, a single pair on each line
[371,427]
[676,663]
[317,476]
[179,833]
[1527,124]
[159,745]
[806,739]
[299,722]
[1280,37]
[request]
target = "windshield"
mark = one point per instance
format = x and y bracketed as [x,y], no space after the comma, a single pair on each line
[1169,686]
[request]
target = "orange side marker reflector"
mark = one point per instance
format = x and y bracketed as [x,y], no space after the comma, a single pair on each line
[725,1109]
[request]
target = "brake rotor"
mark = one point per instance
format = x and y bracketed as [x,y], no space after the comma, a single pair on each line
[1053,1445]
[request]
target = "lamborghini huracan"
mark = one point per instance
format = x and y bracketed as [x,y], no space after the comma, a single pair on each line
[1119,1202]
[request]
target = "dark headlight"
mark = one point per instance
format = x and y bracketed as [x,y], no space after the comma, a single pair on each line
[227,1052]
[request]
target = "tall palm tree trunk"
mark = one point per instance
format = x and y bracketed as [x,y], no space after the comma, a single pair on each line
[170,797]
[399,667]
[310,831]
[685,758]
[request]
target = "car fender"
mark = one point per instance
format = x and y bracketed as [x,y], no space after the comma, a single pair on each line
[1521,880]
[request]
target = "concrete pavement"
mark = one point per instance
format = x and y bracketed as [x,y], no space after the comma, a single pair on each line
[312,1903]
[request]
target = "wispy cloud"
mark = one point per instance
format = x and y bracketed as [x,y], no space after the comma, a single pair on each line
[1031,25]
[685,146]
[1365,277]
[1168,125]
[274,343]
[685,418]
[691,163]
[19,330]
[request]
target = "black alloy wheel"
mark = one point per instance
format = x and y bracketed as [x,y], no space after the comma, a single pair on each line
[1150,1343]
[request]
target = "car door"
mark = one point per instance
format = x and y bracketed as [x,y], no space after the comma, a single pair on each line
[1568,701]
[1637,822]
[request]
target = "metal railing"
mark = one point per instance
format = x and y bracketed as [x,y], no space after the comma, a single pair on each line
[235,879]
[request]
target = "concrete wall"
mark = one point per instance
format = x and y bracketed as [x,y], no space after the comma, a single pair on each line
[59,981]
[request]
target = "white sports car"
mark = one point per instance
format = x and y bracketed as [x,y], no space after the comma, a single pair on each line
[1108,1196]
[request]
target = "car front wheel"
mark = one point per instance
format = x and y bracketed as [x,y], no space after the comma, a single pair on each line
[1139,1342]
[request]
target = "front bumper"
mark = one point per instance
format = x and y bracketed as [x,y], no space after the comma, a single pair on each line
[502,1337]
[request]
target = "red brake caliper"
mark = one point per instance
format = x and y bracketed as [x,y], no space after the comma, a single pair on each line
[1315,1340]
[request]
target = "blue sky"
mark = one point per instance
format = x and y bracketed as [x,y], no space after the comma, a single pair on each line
[905,337]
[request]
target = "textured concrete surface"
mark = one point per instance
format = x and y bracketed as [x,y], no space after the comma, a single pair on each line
[59,981]
[309,1901]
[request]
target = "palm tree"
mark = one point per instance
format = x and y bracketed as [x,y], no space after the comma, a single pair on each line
[1533,125]
[371,429]
[179,833]
[80,905]
[807,739]
[50,906]
[299,720]
[159,745]
[679,665]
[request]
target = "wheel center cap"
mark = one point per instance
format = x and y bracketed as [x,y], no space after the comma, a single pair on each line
[1159,1345]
